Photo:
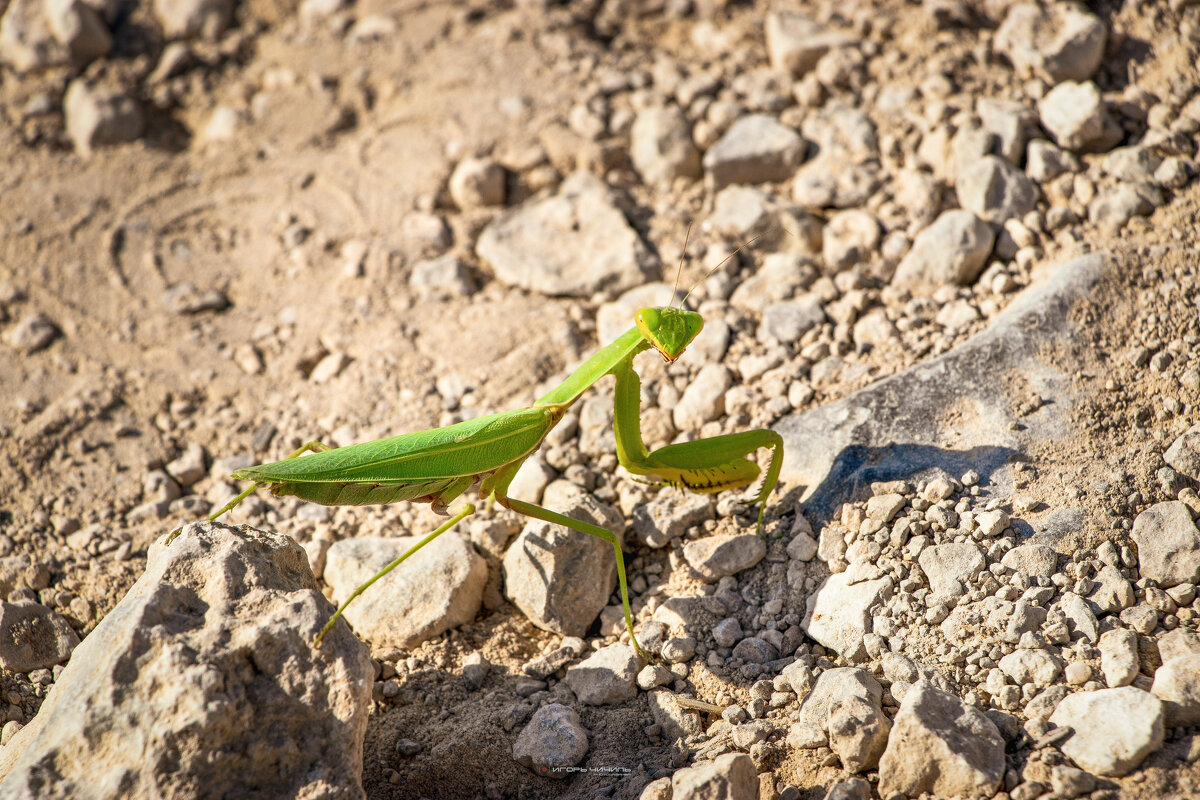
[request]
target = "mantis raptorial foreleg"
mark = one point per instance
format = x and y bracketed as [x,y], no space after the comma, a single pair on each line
[704,465]
[720,463]
[546,515]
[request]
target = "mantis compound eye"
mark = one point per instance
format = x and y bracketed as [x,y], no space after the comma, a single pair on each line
[648,320]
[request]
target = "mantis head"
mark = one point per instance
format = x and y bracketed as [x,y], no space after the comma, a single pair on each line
[669,330]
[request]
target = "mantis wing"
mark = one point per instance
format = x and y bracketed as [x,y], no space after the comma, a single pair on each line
[473,447]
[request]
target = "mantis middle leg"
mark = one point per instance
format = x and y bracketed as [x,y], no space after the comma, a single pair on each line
[546,515]
[705,465]
[466,510]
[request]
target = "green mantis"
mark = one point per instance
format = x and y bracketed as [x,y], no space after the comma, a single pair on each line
[437,466]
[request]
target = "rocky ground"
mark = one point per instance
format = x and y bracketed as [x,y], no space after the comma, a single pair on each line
[968,303]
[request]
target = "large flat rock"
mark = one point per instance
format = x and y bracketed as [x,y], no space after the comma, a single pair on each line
[900,425]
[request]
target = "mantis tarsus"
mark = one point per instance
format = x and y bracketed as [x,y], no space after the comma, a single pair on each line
[436,466]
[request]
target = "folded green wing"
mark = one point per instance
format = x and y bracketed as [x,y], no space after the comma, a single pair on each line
[471,447]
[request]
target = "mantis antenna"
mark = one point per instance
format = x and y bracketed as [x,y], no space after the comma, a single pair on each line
[708,274]
[679,269]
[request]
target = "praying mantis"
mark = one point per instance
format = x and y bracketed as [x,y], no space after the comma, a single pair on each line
[436,466]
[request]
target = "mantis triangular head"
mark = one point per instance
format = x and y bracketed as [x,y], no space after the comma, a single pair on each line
[669,330]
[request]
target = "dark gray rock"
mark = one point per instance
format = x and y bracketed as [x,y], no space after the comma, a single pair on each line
[837,450]
[552,740]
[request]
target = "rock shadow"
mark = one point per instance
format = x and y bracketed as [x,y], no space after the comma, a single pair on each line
[856,467]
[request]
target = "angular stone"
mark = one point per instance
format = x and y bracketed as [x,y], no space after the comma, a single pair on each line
[1101,747]
[1059,41]
[1037,667]
[728,777]
[850,237]
[800,677]
[186,298]
[742,212]
[190,466]
[754,650]
[786,322]
[1010,123]
[1069,782]
[795,42]
[606,677]
[572,244]
[661,520]
[1026,618]
[951,568]
[858,734]
[950,252]
[1080,618]
[1179,643]
[1132,164]
[1119,657]
[899,667]
[756,149]
[907,406]
[97,116]
[838,613]
[677,722]
[553,740]
[845,172]
[1032,560]
[714,557]
[942,746]
[1044,161]
[1074,114]
[441,278]
[438,588]
[1112,592]
[994,190]
[661,146]
[704,399]
[1184,453]
[1113,206]
[33,636]
[850,789]
[208,665]
[560,578]
[1168,544]
[833,687]
[1045,701]
[477,183]
[1177,685]
[883,507]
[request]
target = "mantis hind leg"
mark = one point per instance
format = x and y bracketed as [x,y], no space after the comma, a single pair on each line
[308,447]
[546,515]
[466,510]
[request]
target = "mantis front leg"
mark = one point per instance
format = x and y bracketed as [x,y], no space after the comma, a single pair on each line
[703,466]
